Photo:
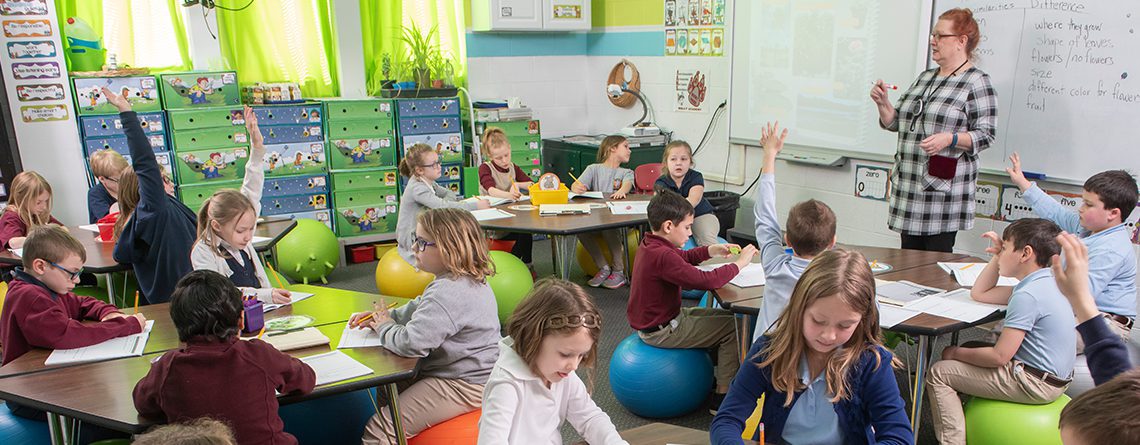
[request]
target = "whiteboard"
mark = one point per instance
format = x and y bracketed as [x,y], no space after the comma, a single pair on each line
[1066,77]
[810,64]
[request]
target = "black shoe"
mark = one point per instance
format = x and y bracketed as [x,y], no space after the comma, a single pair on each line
[714,403]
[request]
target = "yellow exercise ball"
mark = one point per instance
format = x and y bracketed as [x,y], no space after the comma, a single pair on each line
[397,278]
[587,263]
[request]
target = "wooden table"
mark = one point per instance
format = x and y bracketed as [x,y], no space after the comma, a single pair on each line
[664,433]
[563,228]
[909,265]
[100,393]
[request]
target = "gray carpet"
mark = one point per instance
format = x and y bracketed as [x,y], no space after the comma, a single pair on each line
[612,303]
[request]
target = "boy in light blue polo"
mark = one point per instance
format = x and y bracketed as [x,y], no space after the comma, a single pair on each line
[1032,361]
[1108,198]
[811,231]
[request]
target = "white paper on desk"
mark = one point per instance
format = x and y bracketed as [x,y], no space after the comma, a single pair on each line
[260,239]
[497,201]
[19,252]
[358,338]
[890,315]
[294,297]
[751,275]
[563,209]
[955,305]
[335,366]
[129,346]
[629,207]
[966,277]
[489,214]
[594,195]
[902,293]
[90,227]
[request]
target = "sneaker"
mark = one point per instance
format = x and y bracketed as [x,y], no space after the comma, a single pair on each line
[599,277]
[714,403]
[616,280]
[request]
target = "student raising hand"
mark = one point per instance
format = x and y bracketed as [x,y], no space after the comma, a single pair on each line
[256,140]
[118,101]
[1072,276]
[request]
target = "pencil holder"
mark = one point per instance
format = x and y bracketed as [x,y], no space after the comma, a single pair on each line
[254,315]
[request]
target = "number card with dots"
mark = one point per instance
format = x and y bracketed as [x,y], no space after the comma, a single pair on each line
[1013,205]
[1070,201]
[871,181]
[987,200]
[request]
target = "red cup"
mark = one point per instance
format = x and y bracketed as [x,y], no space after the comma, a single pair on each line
[106,231]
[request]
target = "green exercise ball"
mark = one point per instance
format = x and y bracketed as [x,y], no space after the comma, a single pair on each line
[997,422]
[309,252]
[510,283]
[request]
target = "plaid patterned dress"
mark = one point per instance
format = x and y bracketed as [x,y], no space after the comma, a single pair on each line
[922,204]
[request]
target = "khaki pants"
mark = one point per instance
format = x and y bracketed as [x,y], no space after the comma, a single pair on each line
[426,402]
[592,242]
[700,327]
[705,229]
[1121,330]
[947,378]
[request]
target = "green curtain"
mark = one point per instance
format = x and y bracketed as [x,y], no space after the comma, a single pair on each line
[382,23]
[92,11]
[282,41]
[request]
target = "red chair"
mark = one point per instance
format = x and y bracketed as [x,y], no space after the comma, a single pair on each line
[644,176]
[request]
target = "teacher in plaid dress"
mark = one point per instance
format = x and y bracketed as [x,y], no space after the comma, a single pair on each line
[944,121]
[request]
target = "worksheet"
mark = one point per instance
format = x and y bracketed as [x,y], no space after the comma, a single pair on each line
[489,214]
[629,207]
[129,346]
[751,275]
[335,366]
[358,338]
[293,295]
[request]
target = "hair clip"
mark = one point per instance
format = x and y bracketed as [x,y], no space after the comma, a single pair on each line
[590,321]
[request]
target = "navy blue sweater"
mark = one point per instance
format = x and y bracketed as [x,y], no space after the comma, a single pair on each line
[157,240]
[98,202]
[1104,350]
[875,402]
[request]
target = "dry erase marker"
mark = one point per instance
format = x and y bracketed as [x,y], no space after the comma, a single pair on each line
[1032,175]
[886,86]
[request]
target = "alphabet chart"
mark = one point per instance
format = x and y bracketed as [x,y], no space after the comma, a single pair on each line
[871,181]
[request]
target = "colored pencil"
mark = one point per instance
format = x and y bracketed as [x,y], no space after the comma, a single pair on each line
[966,266]
[136,301]
[274,272]
[262,332]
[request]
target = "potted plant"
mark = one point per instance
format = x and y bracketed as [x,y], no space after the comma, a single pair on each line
[420,49]
[438,65]
[387,80]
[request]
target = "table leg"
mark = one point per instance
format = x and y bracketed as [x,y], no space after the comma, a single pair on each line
[565,246]
[394,410]
[624,233]
[925,349]
[111,289]
[745,337]
[62,429]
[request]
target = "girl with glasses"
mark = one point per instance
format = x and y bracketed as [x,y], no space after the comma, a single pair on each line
[944,121]
[453,326]
[422,168]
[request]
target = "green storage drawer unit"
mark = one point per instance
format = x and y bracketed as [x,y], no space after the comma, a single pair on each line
[200,89]
[529,161]
[364,180]
[525,143]
[338,109]
[212,165]
[512,128]
[181,120]
[207,138]
[364,212]
[194,195]
[470,181]
[361,128]
[364,152]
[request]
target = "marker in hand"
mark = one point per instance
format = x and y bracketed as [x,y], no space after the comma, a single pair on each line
[887,86]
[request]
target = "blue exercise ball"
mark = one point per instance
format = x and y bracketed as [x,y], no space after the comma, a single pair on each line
[658,383]
[15,429]
[334,419]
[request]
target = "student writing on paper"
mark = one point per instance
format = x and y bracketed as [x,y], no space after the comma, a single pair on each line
[40,311]
[501,178]
[453,326]
[1107,200]
[29,206]
[810,231]
[215,374]
[662,269]
[607,176]
[825,376]
[1032,361]
[422,168]
[226,224]
[533,388]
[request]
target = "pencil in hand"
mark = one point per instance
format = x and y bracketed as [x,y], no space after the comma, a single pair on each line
[136,301]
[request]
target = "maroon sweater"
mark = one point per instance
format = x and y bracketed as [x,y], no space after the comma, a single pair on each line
[488,181]
[11,226]
[36,317]
[660,271]
[229,380]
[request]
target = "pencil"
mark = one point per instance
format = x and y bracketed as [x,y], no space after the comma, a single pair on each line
[136,301]
[874,263]
[575,177]
[262,332]
[274,272]
[966,266]
[761,428]
[369,316]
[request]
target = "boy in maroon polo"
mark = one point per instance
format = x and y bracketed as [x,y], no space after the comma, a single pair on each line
[40,311]
[661,269]
[215,374]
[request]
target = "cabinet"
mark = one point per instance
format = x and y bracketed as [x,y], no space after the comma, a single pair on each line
[530,15]
[362,149]
[573,154]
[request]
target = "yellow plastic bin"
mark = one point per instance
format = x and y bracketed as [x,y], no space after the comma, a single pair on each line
[540,197]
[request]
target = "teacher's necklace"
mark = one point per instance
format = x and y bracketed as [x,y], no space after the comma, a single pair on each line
[924,98]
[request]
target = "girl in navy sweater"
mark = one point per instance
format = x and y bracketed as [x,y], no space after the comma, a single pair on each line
[827,377]
[155,232]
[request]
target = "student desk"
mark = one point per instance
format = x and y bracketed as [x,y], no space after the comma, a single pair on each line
[664,433]
[925,327]
[563,228]
[327,306]
[101,393]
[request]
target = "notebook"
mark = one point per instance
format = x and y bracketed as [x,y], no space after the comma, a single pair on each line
[295,339]
[563,209]
[293,295]
[628,207]
[902,293]
[592,195]
[335,366]
[489,214]
[358,338]
[129,346]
